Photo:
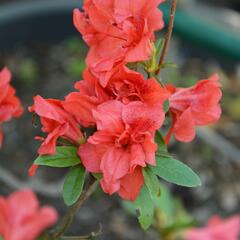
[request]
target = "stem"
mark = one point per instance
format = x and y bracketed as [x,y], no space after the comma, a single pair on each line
[168,35]
[86,237]
[68,218]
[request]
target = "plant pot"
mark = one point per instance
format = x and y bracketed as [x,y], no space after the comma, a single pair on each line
[36,21]
[51,21]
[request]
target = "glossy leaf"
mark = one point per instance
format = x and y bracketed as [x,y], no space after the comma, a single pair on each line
[175,171]
[73,185]
[64,157]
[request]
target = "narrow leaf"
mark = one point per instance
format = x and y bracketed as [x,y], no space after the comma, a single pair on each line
[175,171]
[73,185]
[169,65]
[145,208]
[166,106]
[159,47]
[162,147]
[64,157]
[151,182]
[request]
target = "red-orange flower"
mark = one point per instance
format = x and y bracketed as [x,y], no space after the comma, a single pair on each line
[123,144]
[217,229]
[128,86]
[81,103]
[21,217]
[125,85]
[56,122]
[10,105]
[117,32]
[194,106]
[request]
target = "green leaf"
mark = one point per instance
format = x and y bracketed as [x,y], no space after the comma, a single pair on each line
[166,106]
[64,157]
[159,47]
[145,208]
[98,176]
[175,171]
[165,203]
[169,65]
[151,182]
[73,185]
[162,147]
[1,238]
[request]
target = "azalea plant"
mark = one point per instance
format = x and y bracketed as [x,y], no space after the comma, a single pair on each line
[114,129]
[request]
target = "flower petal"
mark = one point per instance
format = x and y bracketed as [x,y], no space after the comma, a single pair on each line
[114,165]
[131,185]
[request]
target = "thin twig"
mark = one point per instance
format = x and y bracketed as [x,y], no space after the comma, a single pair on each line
[86,237]
[168,35]
[68,218]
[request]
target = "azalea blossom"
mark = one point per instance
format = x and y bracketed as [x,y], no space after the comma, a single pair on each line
[117,32]
[128,86]
[21,217]
[90,95]
[10,105]
[125,85]
[216,229]
[122,145]
[56,122]
[194,106]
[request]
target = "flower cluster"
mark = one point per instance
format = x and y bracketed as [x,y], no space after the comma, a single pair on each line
[122,108]
[21,217]
[9,104]
[118,32]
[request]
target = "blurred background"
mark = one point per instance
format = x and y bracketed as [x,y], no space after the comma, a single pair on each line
[46,55]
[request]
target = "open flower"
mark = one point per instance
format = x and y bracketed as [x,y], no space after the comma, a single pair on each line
[117,32]
[125,86]
[56,122]
[217,229]
[123,144]
[128,86]
[194,106]
[21,217]
[81,103]
[10,105]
